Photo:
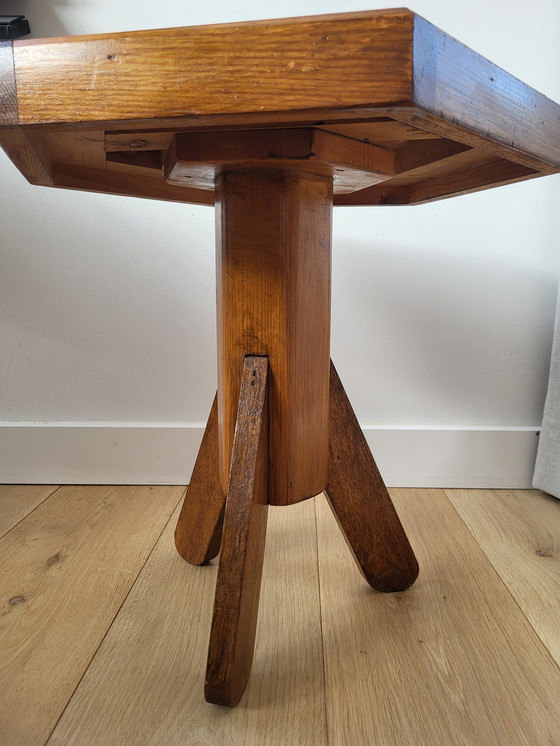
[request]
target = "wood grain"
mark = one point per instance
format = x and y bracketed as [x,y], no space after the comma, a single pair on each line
[273,233]
[519,531]
[462,173]
[447,129]
[64,572]
[145,685]
[360,501]
[8,95]
[18,500]
[198,533]
[135,142]
[366,64]
[236,603]
[451,661]
[381,130]
[150,184]
[455,161]
[195,159]
[31,160]
[413,155]
[84,147]
[270,66]
[383,78]
[459,86]
[494,172]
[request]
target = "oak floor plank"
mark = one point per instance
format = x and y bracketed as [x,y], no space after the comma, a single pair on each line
[18,500]
[64,572]
[146,683]
[452,660]
[519,531]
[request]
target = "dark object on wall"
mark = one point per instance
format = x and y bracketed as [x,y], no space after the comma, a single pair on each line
[12,27]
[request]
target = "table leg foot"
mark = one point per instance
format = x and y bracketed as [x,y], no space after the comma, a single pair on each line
[234,622]
[361,504]
[198,532]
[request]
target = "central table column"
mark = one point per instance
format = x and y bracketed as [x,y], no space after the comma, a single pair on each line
[273,239]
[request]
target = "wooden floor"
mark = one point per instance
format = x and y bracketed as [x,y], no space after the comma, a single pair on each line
[103,628]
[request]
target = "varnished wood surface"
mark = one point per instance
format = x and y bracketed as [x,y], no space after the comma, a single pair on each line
[8,95]
[198,533]
[64,572]
[360,501]
[30,159]
[447,178]
[269,66]
[386,78]
[455,85]
[273,232]
[236,603]
[195,159]
[402,668]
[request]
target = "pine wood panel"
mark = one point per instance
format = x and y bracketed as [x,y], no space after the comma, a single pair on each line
[273,231]
[456,85]
[382,130]
[519,531]
[450,164]
[149,184]
[452,660]
[415,155]
[327,66]
[495,172]
[383,77]
[145,685]
[85,147]
[463,173]
[64,572]
[18,500]
[137,142]
[268,66]
[8,95]
[195,159]
[474,139]
[35,165]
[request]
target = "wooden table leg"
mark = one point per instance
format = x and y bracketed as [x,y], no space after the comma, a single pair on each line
[198,532]
[234,623]
[361,503]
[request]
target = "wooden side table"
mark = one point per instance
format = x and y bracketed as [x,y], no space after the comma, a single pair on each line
[274,122]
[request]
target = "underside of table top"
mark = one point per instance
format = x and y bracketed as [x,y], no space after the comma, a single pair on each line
[101,113]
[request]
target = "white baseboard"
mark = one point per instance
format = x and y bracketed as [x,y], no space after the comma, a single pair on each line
[164,453]
[498,458]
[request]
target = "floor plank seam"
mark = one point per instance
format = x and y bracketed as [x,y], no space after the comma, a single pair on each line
[327,732]
[26,516]
[541,641]
[453,662]
[118,611]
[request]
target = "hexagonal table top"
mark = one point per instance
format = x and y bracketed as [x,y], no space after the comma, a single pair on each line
[400,112]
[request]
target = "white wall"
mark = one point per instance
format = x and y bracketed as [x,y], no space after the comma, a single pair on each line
[442,314]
